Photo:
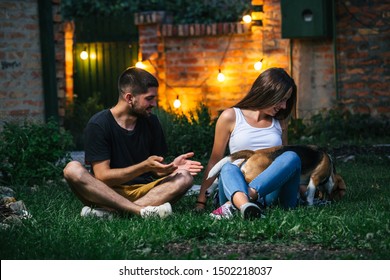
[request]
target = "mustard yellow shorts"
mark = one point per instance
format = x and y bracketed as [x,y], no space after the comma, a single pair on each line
[134,192]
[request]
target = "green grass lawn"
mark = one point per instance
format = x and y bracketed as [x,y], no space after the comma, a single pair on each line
[358,227]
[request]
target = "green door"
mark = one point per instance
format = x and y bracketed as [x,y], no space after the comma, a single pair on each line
[111,44]
[98,73]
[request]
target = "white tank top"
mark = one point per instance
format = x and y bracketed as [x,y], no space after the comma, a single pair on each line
[246,137]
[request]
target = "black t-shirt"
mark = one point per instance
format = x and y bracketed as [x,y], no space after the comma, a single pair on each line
[106,140]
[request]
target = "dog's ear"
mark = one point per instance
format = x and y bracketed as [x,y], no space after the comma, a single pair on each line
[339,188]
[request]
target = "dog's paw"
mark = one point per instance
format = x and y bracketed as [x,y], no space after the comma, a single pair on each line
[321,202]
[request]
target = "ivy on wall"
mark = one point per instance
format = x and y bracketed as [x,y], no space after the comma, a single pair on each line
[183,11]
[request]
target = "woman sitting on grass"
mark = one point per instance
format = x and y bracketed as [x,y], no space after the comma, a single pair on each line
[258,121]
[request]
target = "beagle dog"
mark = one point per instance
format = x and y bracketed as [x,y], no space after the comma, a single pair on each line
[317,169]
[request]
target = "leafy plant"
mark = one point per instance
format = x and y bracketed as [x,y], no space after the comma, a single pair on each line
[296,128]
[337,126]
[32,153]
[77,115]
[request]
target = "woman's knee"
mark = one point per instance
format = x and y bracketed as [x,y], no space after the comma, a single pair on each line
[291,159]
[229,168]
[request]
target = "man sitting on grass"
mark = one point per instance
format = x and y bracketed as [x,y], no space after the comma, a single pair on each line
[125,146]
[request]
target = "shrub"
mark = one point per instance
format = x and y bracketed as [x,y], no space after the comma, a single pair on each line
[32,153]
[340,127]
[77,115]
[296,129]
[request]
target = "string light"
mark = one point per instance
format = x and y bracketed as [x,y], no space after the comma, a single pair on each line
[84,54]
[258,65]
[221,76]
[140,64]
[247,18]
[177,102]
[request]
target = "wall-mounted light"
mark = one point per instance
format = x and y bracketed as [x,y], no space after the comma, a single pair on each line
[84,54]
[221,76]
[177,102]
[258,65]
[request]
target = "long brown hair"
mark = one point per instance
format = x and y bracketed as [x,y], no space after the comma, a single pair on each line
[270,88]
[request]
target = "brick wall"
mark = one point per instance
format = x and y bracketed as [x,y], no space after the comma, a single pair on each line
[363,55]
[186,58]
[21,88]
[21,83]
[192,65]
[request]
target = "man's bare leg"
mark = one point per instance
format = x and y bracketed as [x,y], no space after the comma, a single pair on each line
[169,190]
[94,192]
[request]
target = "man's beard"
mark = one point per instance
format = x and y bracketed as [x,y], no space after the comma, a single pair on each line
[140,112]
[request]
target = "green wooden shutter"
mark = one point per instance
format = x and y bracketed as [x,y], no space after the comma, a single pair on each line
[114,42]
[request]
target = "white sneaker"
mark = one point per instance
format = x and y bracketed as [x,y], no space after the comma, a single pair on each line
[96,212]
[223,212]
[161,211]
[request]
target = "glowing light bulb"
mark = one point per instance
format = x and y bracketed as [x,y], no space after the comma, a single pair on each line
[221,76]
[177,102]
[84,55]
[93,56]
[258,65]
[247,18]
[140,64]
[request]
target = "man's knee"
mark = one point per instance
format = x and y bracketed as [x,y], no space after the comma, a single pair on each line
[73,171]
[187,178]
[181,181]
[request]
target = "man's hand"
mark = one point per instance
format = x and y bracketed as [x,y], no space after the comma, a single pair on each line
[182,162]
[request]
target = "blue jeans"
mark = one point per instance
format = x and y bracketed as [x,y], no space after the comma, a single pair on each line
[279,182]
